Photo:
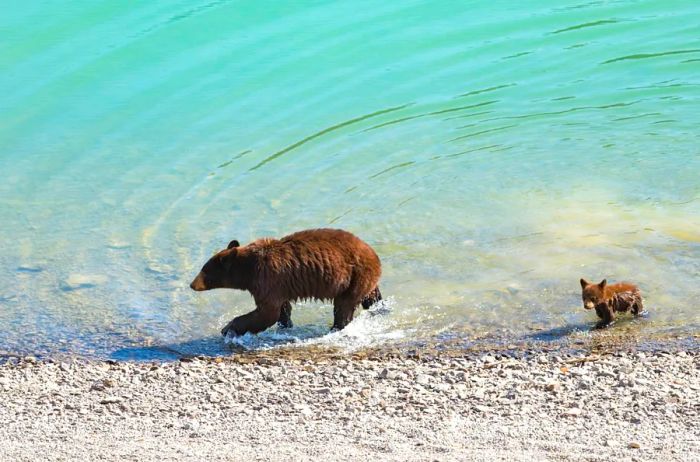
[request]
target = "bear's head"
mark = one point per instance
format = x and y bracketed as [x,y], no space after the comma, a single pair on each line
[593,294]
[229,269]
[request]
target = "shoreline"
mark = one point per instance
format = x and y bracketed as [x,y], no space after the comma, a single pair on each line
[432,406]
[567,340]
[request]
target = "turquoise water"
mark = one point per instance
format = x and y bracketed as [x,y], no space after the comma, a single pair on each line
[492,152]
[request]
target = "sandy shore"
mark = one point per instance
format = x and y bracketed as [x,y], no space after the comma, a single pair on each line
[631,406]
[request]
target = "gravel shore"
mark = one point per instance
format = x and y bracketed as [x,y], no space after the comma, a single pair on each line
[627,406]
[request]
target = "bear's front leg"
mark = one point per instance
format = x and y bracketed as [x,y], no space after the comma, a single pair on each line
[256,321]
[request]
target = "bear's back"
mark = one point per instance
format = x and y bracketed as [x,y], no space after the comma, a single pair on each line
[320,263]
[330,247]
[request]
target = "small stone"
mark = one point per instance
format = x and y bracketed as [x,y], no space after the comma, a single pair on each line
[634,445]
[101,385]
[573,412]
[30,359]
[110,400]
[443,387]
[423,379]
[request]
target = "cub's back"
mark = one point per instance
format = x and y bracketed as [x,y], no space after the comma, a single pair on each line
[622,287]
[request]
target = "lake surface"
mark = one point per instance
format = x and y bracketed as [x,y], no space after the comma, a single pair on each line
[492,152]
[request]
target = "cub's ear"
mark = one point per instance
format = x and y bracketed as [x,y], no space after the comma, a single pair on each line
[603,283]
[232,244]
[584,283]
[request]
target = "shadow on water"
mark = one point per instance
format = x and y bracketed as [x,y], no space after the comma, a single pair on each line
[216,345]
[561,332]
[206,346]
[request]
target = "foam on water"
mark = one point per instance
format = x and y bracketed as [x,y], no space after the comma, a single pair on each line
[370,328]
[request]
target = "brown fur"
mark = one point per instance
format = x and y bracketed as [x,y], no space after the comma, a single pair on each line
[608,299]
[322,264]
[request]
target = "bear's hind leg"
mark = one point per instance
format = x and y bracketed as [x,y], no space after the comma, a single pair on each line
[256,321]
[371,298]
[285,320]
[343,311]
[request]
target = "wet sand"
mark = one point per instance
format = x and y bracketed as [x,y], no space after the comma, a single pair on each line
[456,406]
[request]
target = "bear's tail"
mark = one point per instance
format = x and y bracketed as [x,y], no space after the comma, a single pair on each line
[370,299]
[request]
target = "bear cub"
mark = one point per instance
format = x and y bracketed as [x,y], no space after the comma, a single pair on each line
[321,264]
[608,299]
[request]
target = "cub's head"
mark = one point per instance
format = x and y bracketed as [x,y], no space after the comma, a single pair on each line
[593,294]
[230,269]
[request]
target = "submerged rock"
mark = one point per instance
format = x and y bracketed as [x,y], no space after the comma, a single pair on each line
[82,281]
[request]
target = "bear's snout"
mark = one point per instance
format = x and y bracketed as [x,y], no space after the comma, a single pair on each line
[589,305]
[198,283]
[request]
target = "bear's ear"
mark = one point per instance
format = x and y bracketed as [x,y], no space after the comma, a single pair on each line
[232,244]
[603,283]
[584,283]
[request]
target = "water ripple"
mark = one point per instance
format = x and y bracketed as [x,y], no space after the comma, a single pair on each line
[428,114]
[325,131]
[602,22]
[650,55]
[485,90]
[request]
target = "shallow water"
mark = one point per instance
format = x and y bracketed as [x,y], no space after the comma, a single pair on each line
[492,152]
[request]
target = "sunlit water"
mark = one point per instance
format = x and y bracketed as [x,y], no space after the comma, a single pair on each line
[492,152]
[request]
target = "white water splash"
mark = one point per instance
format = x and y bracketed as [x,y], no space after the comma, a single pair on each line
[370,327]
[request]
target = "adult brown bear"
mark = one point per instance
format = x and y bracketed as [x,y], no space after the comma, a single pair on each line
[322,264]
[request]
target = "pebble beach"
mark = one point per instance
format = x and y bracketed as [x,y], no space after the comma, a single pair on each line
[629,406]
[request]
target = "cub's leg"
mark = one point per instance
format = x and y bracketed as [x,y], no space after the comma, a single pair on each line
[606,315]
[371,298]
[285,320]
[262,317]
[638,307]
